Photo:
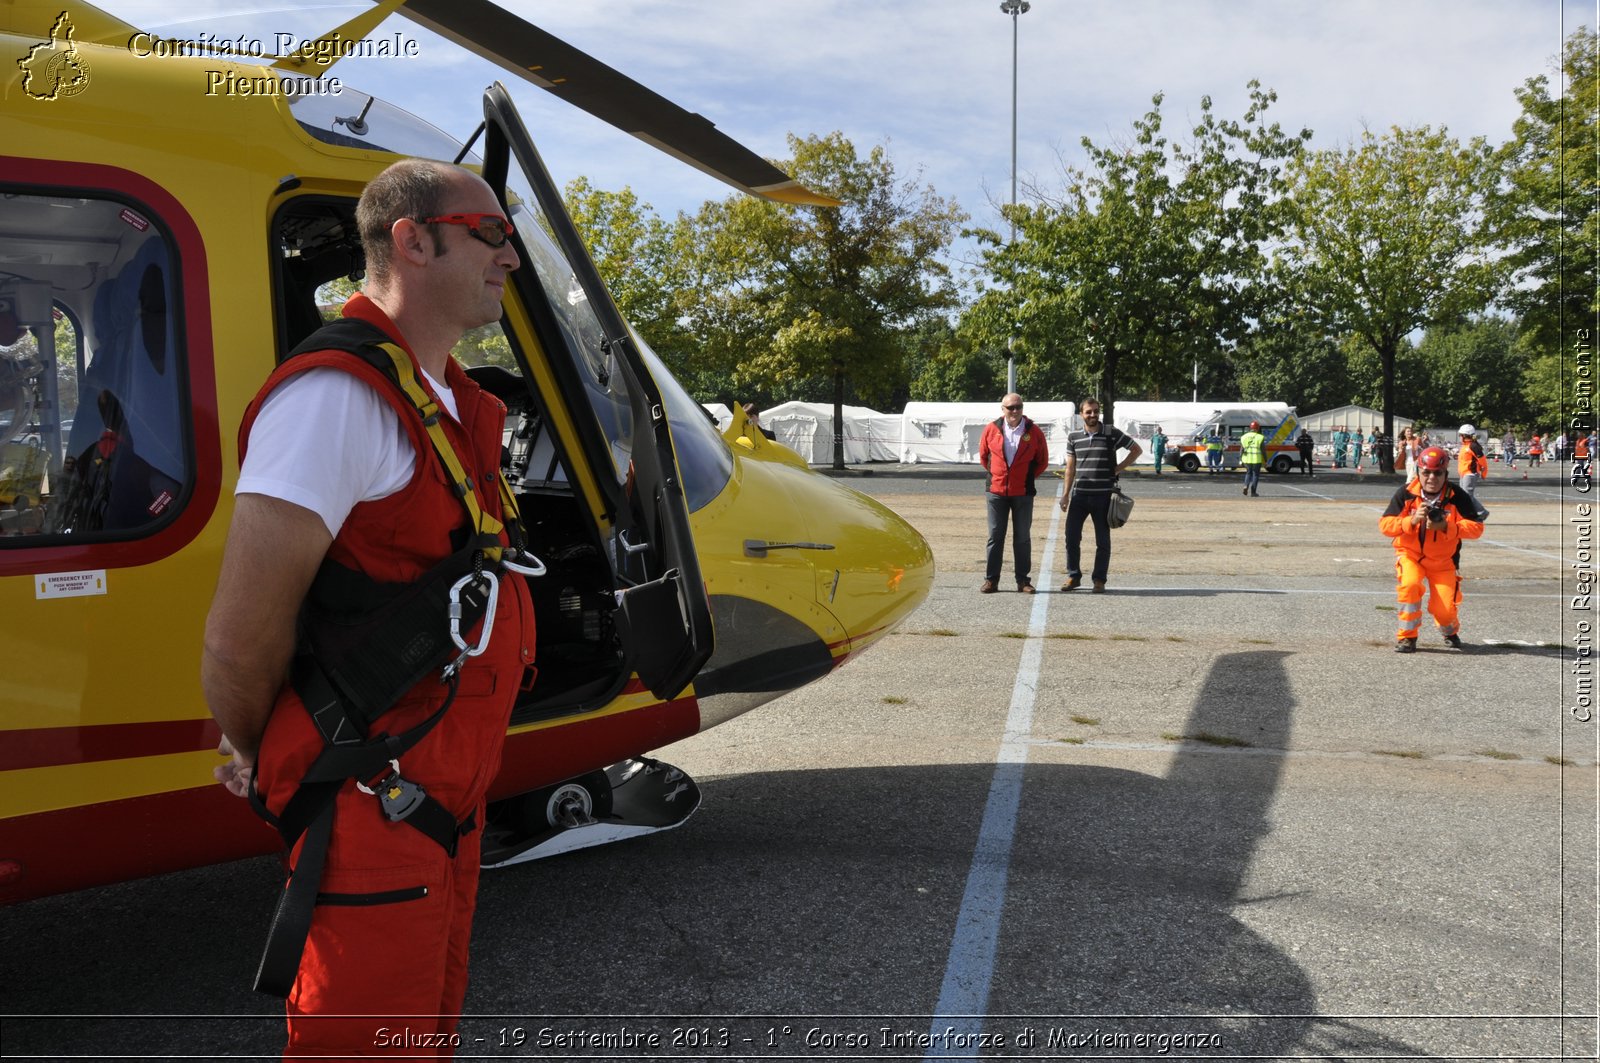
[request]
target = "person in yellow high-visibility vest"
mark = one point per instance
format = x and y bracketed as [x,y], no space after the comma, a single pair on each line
[1252,455]
[1213,452]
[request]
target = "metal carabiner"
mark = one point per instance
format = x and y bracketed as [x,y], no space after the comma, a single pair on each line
[526,565]
[455,619]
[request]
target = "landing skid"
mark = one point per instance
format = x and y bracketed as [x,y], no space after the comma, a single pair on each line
[629,799]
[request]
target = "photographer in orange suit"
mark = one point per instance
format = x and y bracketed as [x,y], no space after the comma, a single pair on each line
[1427,519]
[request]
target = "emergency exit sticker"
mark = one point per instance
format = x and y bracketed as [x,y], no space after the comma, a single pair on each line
[70,584]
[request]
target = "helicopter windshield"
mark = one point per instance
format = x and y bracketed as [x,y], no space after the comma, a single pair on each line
[352,119]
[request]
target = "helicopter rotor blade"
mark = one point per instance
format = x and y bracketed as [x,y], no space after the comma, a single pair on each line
[545,60]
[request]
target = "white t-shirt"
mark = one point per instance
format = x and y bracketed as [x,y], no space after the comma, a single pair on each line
[325,440]
[1010,436]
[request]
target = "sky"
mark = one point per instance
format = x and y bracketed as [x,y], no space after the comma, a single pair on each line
[931,80]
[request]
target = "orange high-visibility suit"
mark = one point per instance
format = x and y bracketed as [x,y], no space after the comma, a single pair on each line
[1428,554]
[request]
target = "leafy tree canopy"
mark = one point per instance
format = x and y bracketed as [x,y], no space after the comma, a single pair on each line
[783,298]
[1389,237]
[1149,260]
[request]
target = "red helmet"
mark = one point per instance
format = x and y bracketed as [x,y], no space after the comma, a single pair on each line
[1255,425]
[1434,458]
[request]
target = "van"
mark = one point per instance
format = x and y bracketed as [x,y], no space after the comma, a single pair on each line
[1279,424]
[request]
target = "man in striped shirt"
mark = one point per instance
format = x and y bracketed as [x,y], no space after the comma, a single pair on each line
[1091,472]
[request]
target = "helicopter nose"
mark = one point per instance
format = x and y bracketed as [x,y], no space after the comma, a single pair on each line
[808,574]
[879,572]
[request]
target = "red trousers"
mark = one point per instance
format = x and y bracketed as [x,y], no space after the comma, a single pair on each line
[385,966]
[1446,592]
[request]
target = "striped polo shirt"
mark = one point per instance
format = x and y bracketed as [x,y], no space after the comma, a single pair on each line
[1096,456]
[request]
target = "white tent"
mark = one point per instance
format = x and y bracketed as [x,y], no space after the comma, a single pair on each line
[951,431]
[807,429]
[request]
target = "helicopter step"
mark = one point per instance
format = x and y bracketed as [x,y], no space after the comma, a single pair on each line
[626,800]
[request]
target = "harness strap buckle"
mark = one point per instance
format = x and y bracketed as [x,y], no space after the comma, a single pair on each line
[379,782]
[398,796]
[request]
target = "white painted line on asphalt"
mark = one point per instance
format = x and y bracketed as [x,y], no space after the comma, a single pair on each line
[1519,549]
[1313,494]
[964,996]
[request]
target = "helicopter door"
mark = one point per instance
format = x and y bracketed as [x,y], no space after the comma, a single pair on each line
[664,614]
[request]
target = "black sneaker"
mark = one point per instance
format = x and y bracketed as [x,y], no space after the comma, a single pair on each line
[1406,646]
[1453,641]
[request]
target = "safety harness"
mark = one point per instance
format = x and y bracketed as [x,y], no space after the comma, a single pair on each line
[364,645]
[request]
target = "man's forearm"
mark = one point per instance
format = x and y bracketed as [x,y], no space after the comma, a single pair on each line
[273,551]
[240,697]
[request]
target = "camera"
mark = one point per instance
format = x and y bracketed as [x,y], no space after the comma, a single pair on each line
[1435,514]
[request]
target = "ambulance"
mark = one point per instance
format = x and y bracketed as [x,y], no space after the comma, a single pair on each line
[1279,423]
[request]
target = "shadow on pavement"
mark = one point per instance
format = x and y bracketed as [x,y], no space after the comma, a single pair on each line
[799,893]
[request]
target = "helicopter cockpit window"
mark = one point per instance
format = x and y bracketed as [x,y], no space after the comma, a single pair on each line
[580,327]
[703,457]
[94,437]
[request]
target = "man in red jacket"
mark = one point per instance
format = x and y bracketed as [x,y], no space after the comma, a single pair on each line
[1013,453]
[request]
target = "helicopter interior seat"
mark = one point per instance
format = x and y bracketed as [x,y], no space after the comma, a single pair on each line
[126,443]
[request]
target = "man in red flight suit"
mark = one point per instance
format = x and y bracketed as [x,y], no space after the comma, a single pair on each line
[338,467]
[1013,453]
[1427,519]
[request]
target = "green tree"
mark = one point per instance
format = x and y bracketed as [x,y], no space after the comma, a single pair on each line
[635,252]
[788,297]
[1367,380]
[1151,260]
[1547,387]
[1548,218]
[1390,238]
[1472,372]
[1289,358]
[945,366]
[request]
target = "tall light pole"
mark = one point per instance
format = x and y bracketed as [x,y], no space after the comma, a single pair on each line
[1014,8]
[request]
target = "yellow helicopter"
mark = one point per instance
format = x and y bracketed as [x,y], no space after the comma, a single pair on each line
[172,216]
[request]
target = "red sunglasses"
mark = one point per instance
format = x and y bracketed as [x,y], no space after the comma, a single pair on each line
[492,229]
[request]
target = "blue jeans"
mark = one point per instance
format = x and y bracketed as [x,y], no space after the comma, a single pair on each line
[1252,476]
[1019,510]
[1097,507]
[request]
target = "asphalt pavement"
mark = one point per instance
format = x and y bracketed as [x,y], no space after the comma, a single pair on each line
[1209,813]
